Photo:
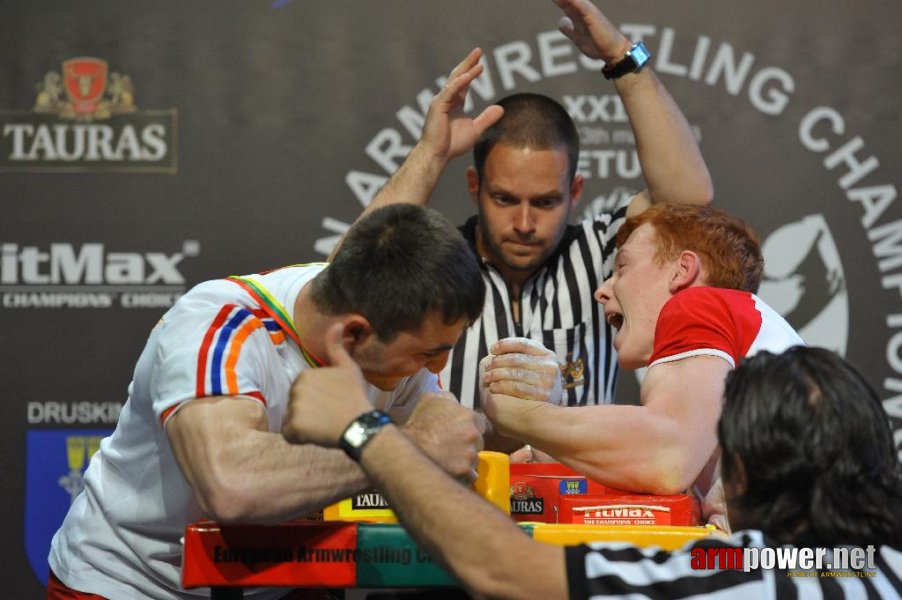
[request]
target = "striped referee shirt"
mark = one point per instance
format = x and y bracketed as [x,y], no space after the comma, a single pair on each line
[557,308]
[600,571]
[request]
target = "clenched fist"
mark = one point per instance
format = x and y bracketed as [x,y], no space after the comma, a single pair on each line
[448,433]
[522,368]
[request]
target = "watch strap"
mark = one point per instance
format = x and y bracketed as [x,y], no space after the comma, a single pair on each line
[361,430]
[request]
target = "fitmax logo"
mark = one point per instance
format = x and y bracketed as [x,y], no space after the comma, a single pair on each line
[627,512]
[91,264]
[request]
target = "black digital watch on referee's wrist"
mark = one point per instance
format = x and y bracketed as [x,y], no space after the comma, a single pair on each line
[361,430]
[632,62]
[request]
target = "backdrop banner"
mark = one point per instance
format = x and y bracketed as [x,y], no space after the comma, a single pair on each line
[146,147]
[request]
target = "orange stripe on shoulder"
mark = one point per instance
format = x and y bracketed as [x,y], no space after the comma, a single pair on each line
[235,350]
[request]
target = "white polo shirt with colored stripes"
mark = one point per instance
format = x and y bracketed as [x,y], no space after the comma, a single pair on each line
[228,337]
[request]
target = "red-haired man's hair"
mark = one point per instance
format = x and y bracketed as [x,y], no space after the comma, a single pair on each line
[728,248]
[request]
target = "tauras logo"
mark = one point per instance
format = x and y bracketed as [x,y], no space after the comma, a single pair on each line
[61,133]
[90,264]
[372,500]
[532,506]
[85,143]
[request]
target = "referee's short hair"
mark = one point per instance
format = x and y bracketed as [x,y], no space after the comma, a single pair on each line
[530,121]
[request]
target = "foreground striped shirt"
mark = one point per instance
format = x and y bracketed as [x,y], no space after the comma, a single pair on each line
[624,571]
[556,309]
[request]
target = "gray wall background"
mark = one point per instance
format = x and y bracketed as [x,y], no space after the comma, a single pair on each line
[269,109]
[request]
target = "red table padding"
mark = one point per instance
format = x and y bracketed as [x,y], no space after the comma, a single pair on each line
[258,555]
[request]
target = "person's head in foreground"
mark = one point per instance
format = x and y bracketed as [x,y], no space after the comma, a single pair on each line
[666,249]
[807,452]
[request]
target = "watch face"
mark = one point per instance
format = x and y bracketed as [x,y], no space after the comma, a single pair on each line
[355,435]
[361,430]
[640,54]
[632,62]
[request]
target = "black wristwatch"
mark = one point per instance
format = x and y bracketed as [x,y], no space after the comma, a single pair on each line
[632,62]
[361,430]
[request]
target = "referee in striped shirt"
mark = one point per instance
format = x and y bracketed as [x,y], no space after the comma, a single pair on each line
[809,462]
[540,271]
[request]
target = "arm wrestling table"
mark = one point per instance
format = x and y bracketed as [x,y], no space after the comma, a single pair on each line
[336,554]
[342,551]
